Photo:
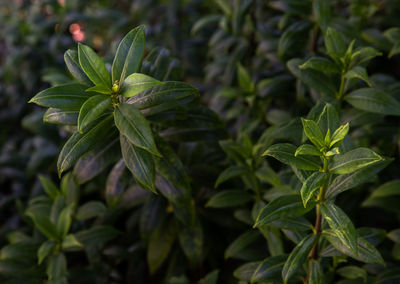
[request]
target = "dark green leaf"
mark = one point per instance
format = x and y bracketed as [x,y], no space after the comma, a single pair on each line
[90,209]
[229,198]
[129,54]
[297,257]
[72,61]
[285,154]
[246,271]
[373,100]
[312,131]
[93,66]
[244,79]
[321,64]
[92,109]
[45,226]
[328,119]
[78,144]
[241,243]
[283,206]
[316,273]
[340,224]
[139,162]
[334,43]
[134,126]
[229,173]
[100,89]
[49,187]
[358,72]
[353,160]
[59,116]
[311,185]
[353,272]
[64,220]
[57,267]
[96,235]
[269,269]
[388,189]
[65,97]
[44,250]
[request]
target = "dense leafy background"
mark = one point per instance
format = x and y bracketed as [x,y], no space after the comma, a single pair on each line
[250,61]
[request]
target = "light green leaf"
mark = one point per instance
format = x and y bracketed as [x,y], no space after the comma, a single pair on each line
[139,162]
[373,100]
[312,131]
[44,250]
[353,160]
[364,54]
[137,83]
[283,206]
[311,185]
[358,72]
[93,66]
[241,243]
[70,243]
[285,154]
[129,54]
[92,109]
[78,144]
[100,89]
[297,257]
[333,152]
[65,97]
[340,224]
[328,119]
[229,198]
[134,126]
[307,149]
[321,64]
[339,134]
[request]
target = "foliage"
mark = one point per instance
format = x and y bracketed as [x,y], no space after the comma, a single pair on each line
[217,141]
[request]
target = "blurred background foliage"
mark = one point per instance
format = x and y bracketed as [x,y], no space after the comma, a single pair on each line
[235,52]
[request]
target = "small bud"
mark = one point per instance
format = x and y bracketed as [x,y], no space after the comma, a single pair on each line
[115,87]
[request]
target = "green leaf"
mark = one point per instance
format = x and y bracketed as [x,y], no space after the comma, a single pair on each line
[394,235]
[312,131]
[129,54]
[90,209]
[358,72]
[64,220]
[333,152]
[283,206]
[269,269]
[353,160]
[49,187]
[390,188]
[390,275]
[339,134]
[229,173]
[297,257]
[312,184]
[78,144]
[59,116]
[353,272]
[134,126]
[328,119]
[340,224]
[160,244]
[322,11]
[70,243]
[245,271]
[312,78]
[293,39]
[366,252]
[241,242]
[65,97]
[293,224]
[307,149]
[139,162]
[334,43]
[244,79]
[210,278]
[191,240]
[229,198]
[92,109]
[166,96]
[57,267]
[44,225]
[96,235]
[373,100]
[364,54]
[203,22]
[44,250]
[137,83]
[345,182]
[321,64]
[285,154]
[93,66]
[316,272]
[72,61]
[100,89]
